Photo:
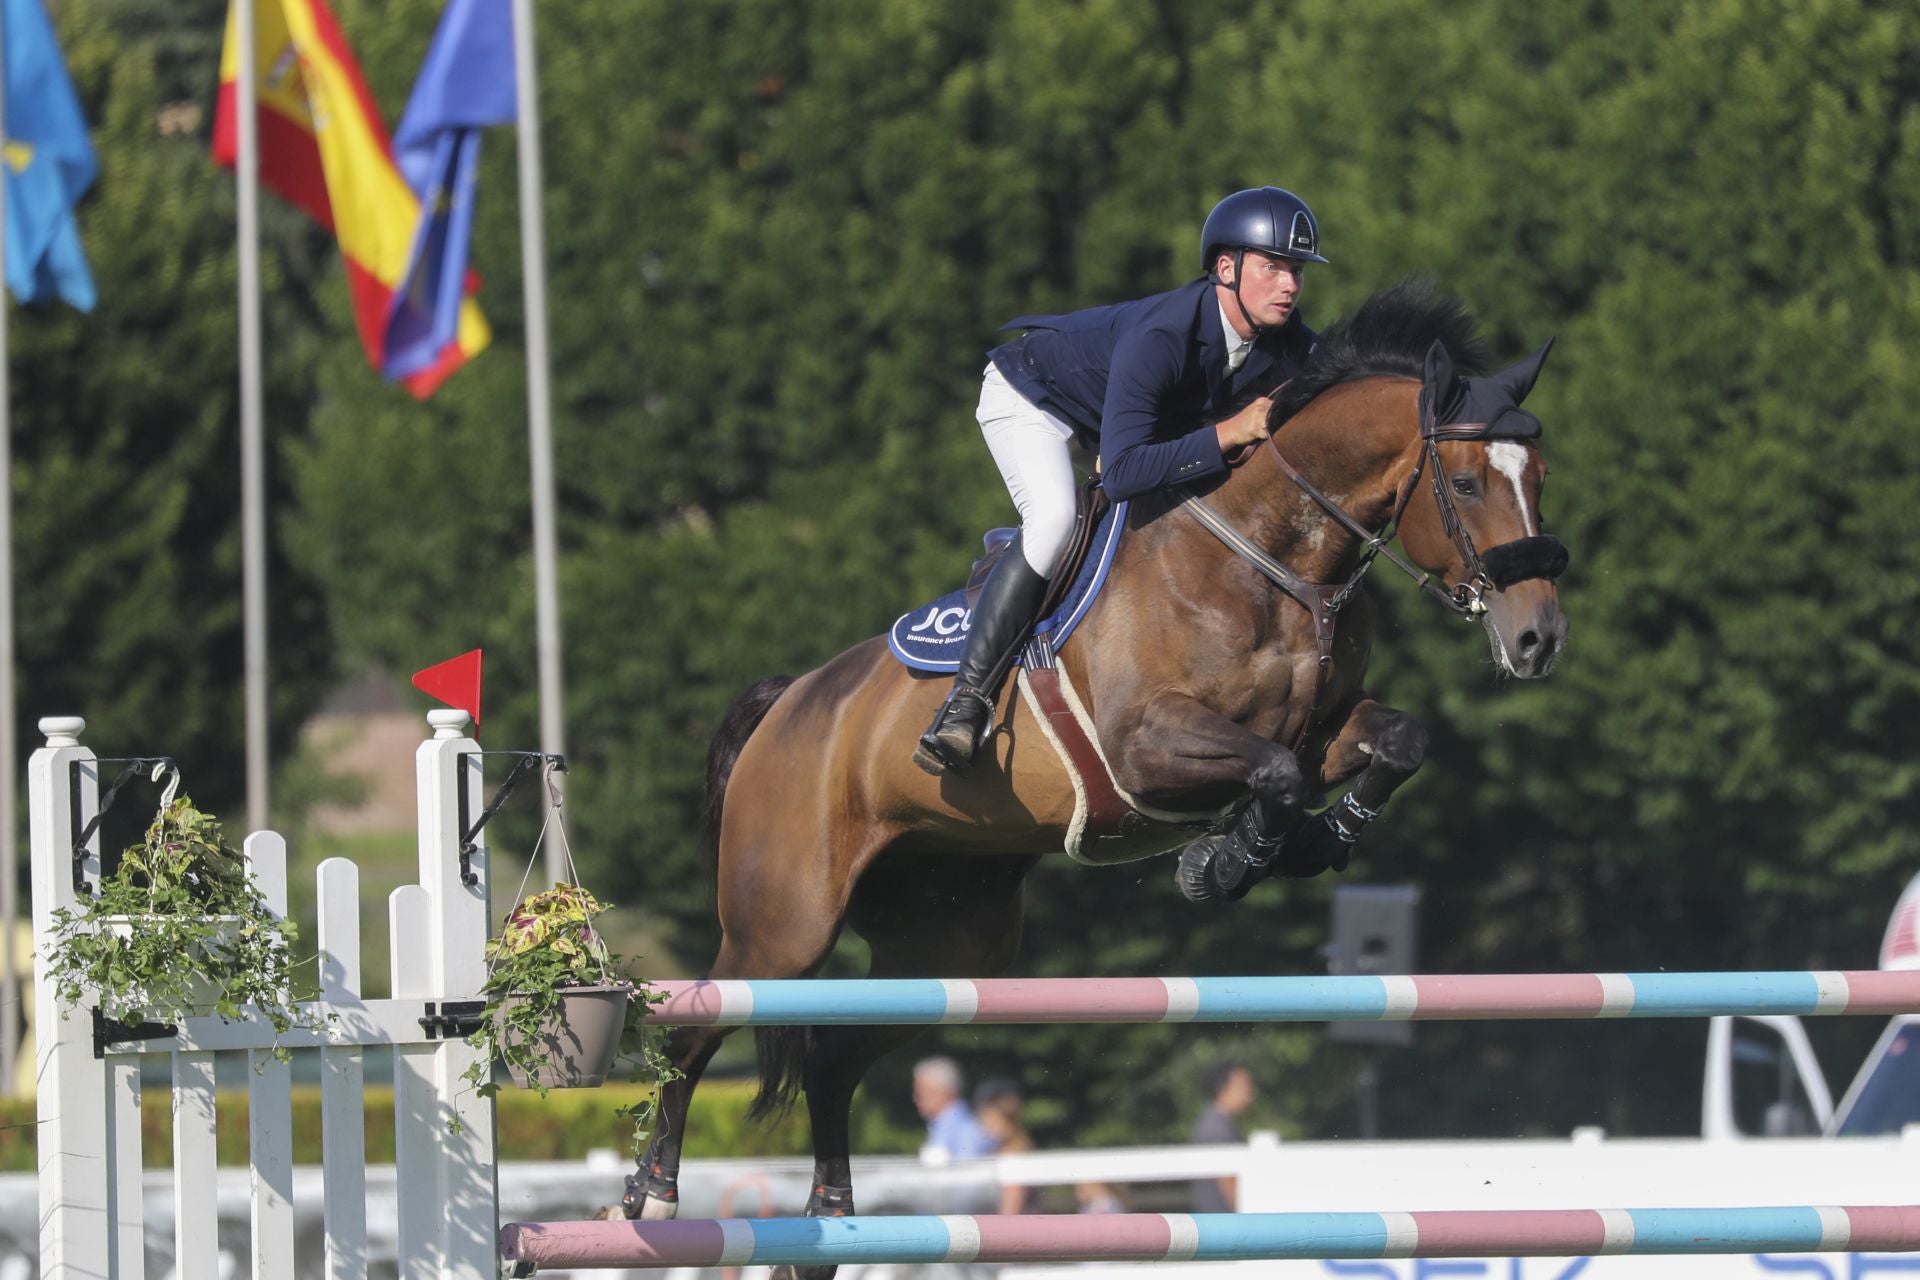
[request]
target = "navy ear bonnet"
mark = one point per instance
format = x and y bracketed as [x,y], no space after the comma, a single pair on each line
[1493,400]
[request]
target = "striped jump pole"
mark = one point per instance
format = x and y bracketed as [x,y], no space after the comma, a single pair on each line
[525,1247]
[1431,997]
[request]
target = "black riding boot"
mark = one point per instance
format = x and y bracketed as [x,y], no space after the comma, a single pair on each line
[1001,619]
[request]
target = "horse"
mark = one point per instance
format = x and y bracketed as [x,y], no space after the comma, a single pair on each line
[1217,689]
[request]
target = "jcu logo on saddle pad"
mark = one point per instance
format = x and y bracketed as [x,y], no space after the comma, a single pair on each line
[932,637]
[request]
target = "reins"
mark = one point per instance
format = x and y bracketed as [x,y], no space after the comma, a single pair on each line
[1324,601]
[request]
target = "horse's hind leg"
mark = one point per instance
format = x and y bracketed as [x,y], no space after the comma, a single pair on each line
[653,1189]
[940,917]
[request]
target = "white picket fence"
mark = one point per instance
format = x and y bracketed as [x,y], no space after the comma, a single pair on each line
[89,1094]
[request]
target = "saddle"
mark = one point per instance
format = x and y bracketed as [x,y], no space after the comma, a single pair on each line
[1090,503]
[1108,825]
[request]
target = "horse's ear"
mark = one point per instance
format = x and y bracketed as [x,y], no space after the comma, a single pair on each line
[1445,392]
[1439,375]
[1517,380]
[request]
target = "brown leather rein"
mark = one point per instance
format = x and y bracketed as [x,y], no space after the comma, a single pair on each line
[1323,601]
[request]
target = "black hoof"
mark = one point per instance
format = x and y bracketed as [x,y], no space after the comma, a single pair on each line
[1212,869]
[804,1273]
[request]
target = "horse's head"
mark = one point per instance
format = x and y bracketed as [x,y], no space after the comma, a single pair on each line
[1474,518]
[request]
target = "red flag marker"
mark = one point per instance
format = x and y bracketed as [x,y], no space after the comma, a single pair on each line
[455,682]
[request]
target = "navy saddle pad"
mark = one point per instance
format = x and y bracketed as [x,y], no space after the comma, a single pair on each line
[932,637]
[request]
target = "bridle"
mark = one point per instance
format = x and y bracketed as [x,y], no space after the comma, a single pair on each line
[1467,598]
[1538,556]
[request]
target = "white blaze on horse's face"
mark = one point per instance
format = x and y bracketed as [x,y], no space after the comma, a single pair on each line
[1510,460]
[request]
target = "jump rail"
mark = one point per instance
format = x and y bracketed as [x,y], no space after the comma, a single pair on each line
[1152,1237]
[1423,997]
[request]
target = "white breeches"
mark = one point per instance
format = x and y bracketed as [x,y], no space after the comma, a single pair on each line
[1032,449]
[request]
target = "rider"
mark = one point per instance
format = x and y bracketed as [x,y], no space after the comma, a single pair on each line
[1147,385]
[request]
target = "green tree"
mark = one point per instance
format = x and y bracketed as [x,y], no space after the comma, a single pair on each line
[125,440]
[780,237]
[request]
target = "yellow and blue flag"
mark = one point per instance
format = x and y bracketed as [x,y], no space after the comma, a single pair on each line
[465,85]
[48,162]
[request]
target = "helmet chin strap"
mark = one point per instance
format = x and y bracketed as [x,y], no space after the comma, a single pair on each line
[1239,256]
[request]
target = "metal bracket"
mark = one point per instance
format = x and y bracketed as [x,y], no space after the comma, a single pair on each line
[108,1031]
[523,761]
[137,767]
[453,1018]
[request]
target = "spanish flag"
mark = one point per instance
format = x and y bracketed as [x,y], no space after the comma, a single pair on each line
[323,147]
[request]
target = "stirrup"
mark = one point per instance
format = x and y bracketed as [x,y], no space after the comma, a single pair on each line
[937,754]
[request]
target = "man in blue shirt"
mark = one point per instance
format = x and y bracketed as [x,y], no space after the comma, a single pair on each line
[1161,389]
[952,1127]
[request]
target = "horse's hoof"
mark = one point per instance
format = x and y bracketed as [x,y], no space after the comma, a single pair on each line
[804,1273]
[1212,869]
[657,1210]
[1193,873]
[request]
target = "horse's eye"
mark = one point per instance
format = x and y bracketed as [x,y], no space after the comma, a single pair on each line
[1463,485]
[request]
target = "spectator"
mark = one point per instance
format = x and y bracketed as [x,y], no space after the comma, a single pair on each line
[951,1127]
[1230,1088]
[1097,1197]
[1001,1110]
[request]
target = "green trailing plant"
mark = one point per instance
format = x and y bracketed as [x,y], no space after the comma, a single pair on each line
[178,929]
[547,946]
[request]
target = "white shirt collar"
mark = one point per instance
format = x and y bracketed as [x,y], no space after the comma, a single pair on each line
[1234,340]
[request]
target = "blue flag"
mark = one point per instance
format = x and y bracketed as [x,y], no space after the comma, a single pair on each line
[48,162]
[465,84]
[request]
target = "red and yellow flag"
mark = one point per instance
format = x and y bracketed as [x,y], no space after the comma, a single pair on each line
[324,148]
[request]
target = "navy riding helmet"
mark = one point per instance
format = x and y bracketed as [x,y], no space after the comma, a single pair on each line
[1263,218]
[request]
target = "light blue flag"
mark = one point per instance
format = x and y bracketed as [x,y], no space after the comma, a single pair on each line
[48,162]
[465,85]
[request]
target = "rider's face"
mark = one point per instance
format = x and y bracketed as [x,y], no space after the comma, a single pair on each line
[1269,287]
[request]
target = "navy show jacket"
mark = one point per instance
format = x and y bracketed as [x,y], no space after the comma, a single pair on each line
[1142,382]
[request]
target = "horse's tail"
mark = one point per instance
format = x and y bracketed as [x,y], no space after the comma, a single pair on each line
[782,1050]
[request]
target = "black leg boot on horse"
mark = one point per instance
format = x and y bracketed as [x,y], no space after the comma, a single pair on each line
[1009,603]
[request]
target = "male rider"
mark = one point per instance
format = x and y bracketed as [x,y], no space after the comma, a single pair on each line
[1149,386]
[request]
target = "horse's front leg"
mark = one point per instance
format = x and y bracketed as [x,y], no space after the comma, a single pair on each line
[1384,746]
[1179,748]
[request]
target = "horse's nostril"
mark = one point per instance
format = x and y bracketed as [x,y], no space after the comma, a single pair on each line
[1529,642]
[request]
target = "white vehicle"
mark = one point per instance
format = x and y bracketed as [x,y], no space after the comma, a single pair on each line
[1883,1099]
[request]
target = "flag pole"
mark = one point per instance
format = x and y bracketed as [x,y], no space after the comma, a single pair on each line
[10,1011]
[533,275]
[253,525]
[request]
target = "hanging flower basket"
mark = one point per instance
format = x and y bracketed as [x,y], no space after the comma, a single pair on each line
[556,1009]
[561,1010]
[575,1042]
[179,930]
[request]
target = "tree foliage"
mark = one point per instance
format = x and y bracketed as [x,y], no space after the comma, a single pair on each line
[780,238]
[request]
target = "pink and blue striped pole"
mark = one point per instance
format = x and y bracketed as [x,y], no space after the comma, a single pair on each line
[928,1001]
[1173,1237]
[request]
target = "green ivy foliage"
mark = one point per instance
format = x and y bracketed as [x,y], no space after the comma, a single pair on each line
[177,930]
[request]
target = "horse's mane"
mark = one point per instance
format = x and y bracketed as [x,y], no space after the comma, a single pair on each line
[1389,334]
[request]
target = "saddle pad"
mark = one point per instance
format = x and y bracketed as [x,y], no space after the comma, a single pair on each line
[932,637]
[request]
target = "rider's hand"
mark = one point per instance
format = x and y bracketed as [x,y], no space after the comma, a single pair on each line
[1249,426]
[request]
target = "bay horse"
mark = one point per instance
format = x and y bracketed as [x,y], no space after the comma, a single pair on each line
[1207,682]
